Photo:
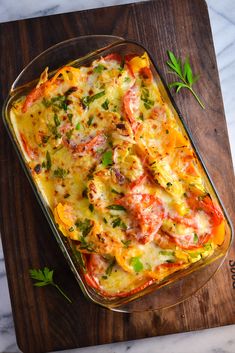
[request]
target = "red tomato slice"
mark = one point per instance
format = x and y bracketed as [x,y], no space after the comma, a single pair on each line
[147,212]
[131,103]
[146,73]
[138,182]
[215,214]
[128,57]
[90,281]
[90,146]
[113,56]
[31,152]
[33,96]
[206,204]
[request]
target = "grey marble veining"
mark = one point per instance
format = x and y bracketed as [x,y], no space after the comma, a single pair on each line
[222,16]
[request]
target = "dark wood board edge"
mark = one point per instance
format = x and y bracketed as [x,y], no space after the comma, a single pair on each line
[181,101]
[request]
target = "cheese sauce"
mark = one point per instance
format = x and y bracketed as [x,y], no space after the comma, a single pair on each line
[118,172]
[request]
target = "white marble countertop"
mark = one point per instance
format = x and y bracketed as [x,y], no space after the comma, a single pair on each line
[222,16]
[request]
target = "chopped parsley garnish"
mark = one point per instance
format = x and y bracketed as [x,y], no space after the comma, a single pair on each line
[56,120]
[107,158]
[90,119]
[87,100]
[70,117]
[195,238]
[207,246]
[69,134]
[116,207]
[57,102]
[116,192]
[54,131]
[89,246]
[110,267]
[48,161]
[148,103]
[136,264]
[126,243]
[105,105]
[84,226]
[105,220]
[127,79]
[78,126]
[91,207]
[99,68]
[45,138]
[60,173]
[71,229]
[117,222]
[166,253]
[169,184]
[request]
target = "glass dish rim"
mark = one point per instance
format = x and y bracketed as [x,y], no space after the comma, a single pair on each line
[44,207]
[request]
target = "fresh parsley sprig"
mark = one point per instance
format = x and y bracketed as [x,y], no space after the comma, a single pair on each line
[44,278]
[184,72]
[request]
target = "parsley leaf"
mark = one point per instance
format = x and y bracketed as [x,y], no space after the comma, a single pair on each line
[99,68]
[87,100]
[60,173]
[44,278]
[90,119]
[48,161]
[107,158]
[184,72]
[78,126]
[56,120]
[136,264]
[116,207]
[89,246]
[84,226]
[110,267]
[126,243]
[105,105]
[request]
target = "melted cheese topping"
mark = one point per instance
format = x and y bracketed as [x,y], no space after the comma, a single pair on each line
[118,172]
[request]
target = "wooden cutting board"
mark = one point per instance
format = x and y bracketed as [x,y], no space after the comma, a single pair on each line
[44,321]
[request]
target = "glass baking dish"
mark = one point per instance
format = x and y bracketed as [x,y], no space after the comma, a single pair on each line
[177,286]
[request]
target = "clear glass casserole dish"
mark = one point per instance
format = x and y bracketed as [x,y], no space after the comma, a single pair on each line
[175,287]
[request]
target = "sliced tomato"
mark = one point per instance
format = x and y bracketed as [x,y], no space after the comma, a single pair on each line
[147,213]
[131,103]
[159,113]
[164,240]
[215,214]
[91,145]
[30,151]
[113,56]
[146,73]
[206,204]
[91,281]
[138,182]
[128,57]
[33,96]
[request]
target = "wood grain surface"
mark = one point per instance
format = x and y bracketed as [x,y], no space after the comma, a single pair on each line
[44,321]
